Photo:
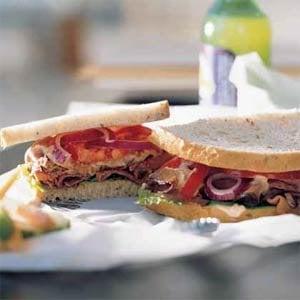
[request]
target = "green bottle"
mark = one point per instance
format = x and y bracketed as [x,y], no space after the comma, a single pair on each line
[231,27]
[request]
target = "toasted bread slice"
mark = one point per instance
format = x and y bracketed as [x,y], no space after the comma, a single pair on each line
[136,114]
[259,143]
[92,191]
[225,213]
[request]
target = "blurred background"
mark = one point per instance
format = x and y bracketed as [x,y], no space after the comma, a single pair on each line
[54,52]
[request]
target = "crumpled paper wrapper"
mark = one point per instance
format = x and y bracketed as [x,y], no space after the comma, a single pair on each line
[112,232]
[261,89]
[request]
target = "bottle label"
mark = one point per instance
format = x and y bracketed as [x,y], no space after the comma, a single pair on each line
[214,84]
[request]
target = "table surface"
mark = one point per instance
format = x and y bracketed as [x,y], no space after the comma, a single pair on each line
[236,273]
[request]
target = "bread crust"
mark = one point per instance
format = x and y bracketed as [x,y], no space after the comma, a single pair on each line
[136,114]
[226,214]
[91,191]
[261,143]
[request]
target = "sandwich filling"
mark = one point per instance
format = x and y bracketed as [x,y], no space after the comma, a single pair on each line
[182,181]
[98,154]
[94,154]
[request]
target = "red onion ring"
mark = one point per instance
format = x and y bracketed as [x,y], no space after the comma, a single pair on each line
[33,153]
[108,134]
[225,194]
[59,154]
[107,139]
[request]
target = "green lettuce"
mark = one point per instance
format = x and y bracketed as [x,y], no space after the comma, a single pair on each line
[34,184]
[146,197]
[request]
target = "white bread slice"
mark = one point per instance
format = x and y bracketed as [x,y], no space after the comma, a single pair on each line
[226,214]
[133,115]
[91,191]
[259,143]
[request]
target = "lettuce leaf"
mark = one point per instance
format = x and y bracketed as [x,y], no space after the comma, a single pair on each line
[146,197]
[34,184]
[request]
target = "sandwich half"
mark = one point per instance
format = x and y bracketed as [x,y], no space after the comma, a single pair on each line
[82,157]
[232,168]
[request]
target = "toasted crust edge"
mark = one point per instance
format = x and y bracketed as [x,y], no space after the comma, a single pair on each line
[223,158]
[36,130]
[193,211]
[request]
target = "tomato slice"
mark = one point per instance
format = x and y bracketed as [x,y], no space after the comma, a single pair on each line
[137,132]
[173,163]
[71,141]
[194,182]
[86,135]
[121,144]
[72,149]
[126,138]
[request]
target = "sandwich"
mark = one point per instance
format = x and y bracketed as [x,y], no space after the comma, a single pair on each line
[75,157]
[232,168]
[82,157]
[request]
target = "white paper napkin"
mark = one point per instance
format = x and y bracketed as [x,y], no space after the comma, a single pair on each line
[261,89]
[111,232]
